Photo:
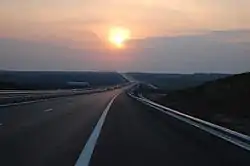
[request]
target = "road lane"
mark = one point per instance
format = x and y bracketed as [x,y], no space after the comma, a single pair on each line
[23,115]
[85,156]
[31,136]
[135,134]
[132,134]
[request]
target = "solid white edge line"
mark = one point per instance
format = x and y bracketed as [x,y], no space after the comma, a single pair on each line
[232,132]
[85,156]
[200,126]
[209,130]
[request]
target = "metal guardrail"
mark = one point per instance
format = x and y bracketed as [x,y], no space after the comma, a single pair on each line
[229,135]
[31,98]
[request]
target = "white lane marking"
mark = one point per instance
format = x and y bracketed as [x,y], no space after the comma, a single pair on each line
[21,103]
[85,156]
[209,130]
[48,110]
[191,120]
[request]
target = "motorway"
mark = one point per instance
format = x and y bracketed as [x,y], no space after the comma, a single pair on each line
[74,131]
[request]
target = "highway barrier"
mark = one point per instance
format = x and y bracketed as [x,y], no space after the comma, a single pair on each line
[229,135]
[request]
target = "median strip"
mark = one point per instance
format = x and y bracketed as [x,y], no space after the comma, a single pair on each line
[29,100]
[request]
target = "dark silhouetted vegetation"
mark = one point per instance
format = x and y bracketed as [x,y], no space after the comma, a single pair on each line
[224,101]
[170,82]
[56,80]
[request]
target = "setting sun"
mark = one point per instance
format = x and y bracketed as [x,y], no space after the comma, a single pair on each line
[118,35]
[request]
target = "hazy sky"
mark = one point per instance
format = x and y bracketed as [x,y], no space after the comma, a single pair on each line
[166,36]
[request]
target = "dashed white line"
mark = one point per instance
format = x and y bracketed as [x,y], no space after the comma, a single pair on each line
[48,110]
[21,103]
[85,156]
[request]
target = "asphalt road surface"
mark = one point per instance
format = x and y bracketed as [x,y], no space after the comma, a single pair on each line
[57,132]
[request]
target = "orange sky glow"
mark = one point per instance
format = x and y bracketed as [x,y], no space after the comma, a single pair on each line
[127,35]
[92,20]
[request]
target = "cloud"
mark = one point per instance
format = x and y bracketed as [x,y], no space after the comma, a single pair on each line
[35,55]
[210,52]
[194,53]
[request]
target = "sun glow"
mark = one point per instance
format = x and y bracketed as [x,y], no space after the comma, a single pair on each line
[119,35]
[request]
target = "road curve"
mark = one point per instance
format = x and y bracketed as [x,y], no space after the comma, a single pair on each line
[52,132]
[135,134]
[120,132]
